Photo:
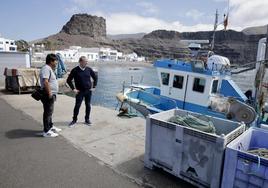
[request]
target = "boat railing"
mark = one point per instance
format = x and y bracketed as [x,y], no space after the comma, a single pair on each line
[159,99]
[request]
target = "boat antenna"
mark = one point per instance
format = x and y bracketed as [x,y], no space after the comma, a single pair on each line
[226,16]
[225,23]
[214,31]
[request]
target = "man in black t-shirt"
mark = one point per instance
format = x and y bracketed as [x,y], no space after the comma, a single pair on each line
[82,78]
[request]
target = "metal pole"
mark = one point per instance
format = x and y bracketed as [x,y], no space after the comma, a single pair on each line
[184,98]
[266,51]
[214,31]
[259,92]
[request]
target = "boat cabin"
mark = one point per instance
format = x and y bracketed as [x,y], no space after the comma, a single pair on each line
[192,84]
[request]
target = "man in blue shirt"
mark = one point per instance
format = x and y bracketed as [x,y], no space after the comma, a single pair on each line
[82,78]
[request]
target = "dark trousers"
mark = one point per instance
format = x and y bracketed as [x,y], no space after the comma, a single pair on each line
[48,106]
[78,101]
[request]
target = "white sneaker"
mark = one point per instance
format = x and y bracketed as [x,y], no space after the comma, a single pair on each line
[50,134]
[55,129]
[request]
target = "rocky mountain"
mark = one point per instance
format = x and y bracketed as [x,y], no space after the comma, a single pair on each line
[84,24]
[64,40]
[260,30]
[22,45]
[90,31]
[163,34]
[126,36]
[156,48]
[239,47]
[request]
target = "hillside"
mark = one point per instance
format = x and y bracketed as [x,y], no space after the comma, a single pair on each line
[90,31]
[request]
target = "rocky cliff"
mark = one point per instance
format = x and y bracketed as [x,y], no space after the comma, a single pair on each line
[90,31]
[239,47]
[261,30]
[84,24]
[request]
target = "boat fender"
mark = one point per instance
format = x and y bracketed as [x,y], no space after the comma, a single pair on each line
[121,97]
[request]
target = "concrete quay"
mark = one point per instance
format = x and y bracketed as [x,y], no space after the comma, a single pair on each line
[114,143]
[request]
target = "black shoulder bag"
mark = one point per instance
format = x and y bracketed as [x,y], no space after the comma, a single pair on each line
[39,93]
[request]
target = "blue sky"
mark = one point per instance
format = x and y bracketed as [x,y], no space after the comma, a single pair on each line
[34,19]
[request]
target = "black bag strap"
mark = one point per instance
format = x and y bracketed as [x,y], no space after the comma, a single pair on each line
[36,77]
[49,75]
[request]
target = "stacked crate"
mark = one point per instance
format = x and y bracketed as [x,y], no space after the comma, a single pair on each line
[194,156]
[242,169]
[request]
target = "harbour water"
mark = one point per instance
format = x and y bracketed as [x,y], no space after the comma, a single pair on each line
[112,76]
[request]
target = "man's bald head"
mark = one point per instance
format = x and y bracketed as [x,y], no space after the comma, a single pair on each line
[83,61]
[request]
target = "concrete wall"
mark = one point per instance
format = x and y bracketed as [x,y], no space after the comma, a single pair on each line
[13,60]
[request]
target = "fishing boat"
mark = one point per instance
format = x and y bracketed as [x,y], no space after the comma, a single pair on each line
[201,85]
[198,86]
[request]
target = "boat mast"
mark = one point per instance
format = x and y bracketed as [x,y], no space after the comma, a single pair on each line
[214,31]
[216,24]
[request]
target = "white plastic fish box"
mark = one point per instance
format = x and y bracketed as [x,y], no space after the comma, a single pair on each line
[192,155]
[242,169]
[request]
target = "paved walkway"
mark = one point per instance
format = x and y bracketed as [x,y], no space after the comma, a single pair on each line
[28,160]
[111,142]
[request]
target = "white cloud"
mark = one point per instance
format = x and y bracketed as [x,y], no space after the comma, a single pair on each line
[123,23]
[72,10]
[148,7]
[245,13]
[84,3]
[194,14]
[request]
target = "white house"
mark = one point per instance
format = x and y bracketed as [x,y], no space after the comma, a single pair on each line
[104,53]
[38,48]
[75,52]
[110,54]
[134,57]
[69,55]
[7,45]
[92,54]
[75,47]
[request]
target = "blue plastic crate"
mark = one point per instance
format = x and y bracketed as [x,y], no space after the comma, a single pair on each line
[242,169]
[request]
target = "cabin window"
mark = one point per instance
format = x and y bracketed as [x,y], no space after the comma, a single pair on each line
[199,85]
[7,42]
[214,86]
[178,81]
[165,78]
